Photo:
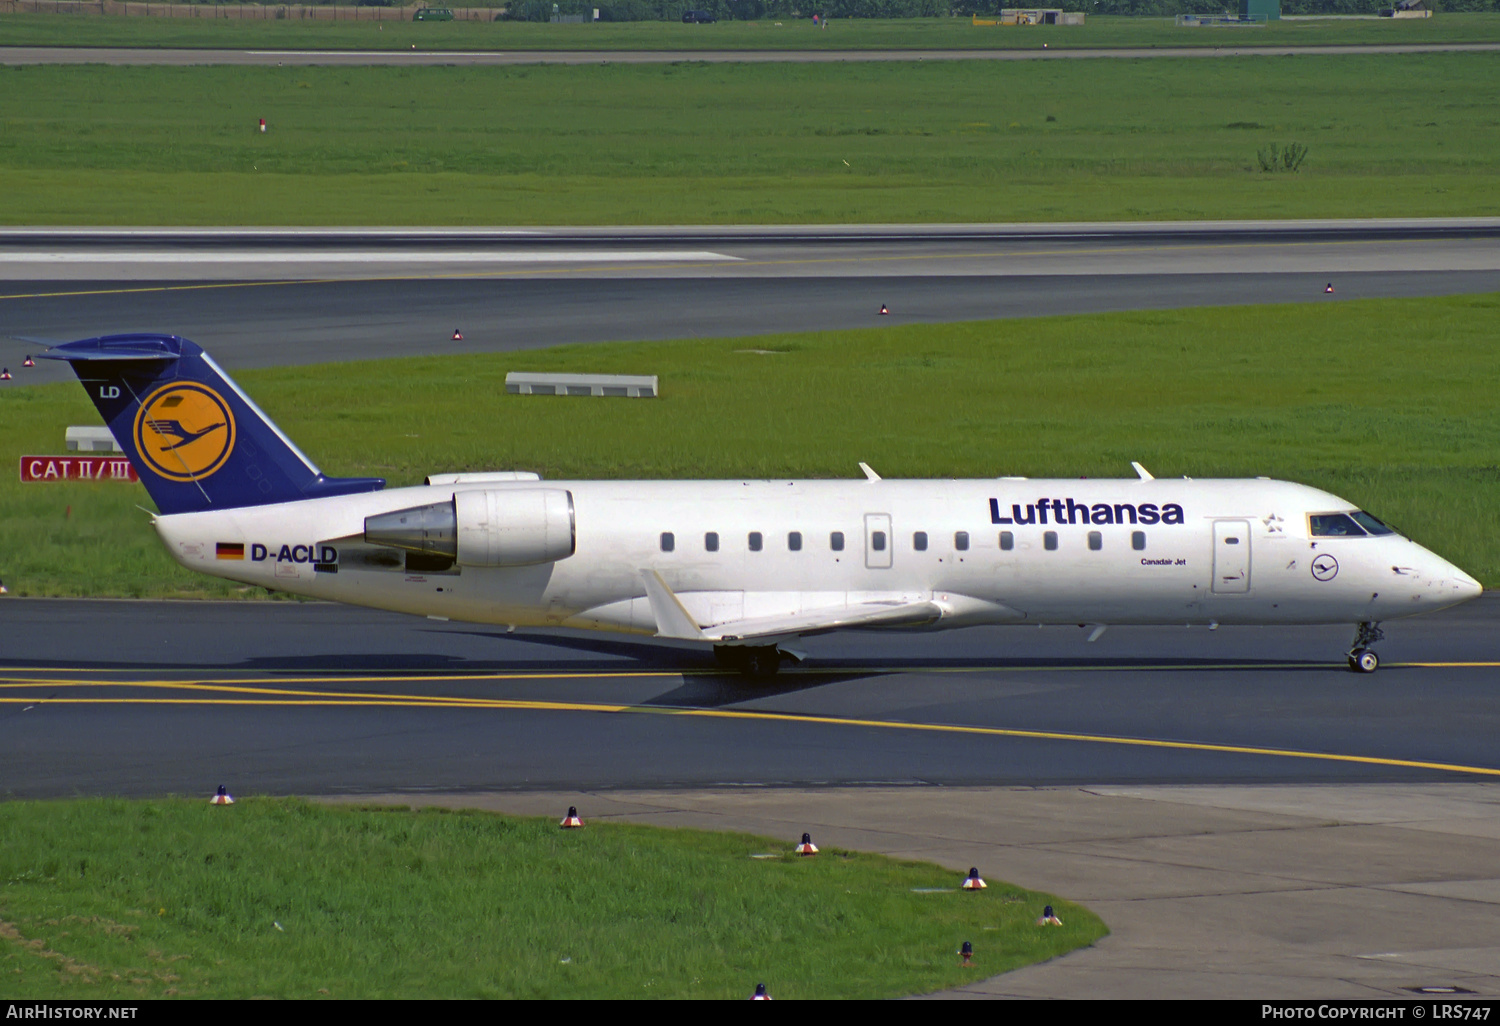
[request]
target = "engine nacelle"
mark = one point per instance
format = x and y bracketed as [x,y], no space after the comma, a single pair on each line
[504,527]
[514,526]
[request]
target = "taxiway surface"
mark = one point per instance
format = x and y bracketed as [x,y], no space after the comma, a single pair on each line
[275,697]
[267,298]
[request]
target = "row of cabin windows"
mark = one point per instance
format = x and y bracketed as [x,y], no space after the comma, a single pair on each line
[918,541]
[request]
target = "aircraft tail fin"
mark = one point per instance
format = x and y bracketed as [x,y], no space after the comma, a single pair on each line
[197,441]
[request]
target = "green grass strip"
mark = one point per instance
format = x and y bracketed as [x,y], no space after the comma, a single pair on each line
[283,898]
[746,143]
[1389,403]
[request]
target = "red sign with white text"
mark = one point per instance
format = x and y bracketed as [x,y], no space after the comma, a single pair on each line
[77,468]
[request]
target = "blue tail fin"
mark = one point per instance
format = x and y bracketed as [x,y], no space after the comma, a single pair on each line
[196,440]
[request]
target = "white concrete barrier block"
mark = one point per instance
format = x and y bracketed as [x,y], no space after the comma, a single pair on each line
[633,386]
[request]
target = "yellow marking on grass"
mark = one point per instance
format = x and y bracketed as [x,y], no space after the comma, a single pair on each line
[281,697]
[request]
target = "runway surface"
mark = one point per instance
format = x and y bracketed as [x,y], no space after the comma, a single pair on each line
[138,698]
[266,298]
[17,55]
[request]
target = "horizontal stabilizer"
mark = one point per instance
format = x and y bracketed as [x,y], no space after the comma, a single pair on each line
[197,441]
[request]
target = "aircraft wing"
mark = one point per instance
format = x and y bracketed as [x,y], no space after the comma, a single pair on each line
[674,621]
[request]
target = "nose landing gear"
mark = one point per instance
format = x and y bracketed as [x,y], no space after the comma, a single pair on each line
[1361,658]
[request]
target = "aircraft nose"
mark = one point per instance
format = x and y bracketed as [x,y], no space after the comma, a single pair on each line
[1468,588]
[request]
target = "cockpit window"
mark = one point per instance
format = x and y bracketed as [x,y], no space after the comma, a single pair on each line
[1370,524]
[1333,525]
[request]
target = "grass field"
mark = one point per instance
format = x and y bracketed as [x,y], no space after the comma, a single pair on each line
[853,34]
[281,898]
[696,143]
[1389,403]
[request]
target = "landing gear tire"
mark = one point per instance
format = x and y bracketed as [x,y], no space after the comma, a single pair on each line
[759,661]
[763,662]
[1362,660]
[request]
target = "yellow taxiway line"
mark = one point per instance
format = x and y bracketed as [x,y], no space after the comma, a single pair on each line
[288,697]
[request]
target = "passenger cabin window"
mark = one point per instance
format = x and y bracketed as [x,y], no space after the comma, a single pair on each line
[668,541]
[1007,541]
[961,541]
[1333,525]
[919,541]
[836,541]
[1231,541]
[1138,540]
[794,541]
[877,541]
[1096,541]
[1370,524]
[756,541]
[1049,541]
[711,541]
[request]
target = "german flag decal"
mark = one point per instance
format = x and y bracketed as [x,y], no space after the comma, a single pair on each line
[229,550]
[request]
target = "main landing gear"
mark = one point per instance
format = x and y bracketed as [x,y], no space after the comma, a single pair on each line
[751,660]
[1361,658]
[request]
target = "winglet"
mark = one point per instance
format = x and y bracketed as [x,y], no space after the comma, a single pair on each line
[870,475]
[672,620]
[1145,474]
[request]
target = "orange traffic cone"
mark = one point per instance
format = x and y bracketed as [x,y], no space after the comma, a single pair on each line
[28,362]
[263,126]
[571,819]
[883,310]
[221,797]
[967,951]
[1049,918]
[1328,288]
[807,847]
[972,882]
[4,373]
[760,993]
[458,336]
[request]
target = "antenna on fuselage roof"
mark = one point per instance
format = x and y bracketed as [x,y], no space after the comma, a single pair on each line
[1145,475]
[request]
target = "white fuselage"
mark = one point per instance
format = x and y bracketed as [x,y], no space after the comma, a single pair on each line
[1240,552]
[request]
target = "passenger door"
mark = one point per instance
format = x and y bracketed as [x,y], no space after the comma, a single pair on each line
[1231,557]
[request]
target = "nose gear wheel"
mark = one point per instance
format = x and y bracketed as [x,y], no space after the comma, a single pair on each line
[1361,658]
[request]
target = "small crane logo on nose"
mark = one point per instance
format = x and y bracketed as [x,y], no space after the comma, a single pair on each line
[1325,567]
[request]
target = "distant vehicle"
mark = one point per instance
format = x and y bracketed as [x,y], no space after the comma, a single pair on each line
[433,14]
[698,18]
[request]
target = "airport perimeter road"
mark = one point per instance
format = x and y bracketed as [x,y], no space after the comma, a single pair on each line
[366,295]
[408,58]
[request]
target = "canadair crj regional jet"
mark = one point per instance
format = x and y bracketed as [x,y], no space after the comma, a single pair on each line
[745,566]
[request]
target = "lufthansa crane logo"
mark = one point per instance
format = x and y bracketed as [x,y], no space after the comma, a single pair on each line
[1325,567]
[184,431]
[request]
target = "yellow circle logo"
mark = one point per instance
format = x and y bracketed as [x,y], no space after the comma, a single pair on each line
[184,431]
